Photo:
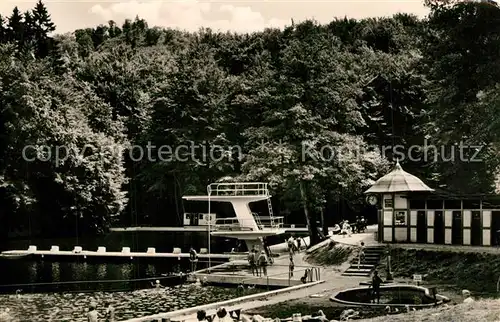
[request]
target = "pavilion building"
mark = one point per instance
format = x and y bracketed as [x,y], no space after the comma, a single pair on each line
[411,212]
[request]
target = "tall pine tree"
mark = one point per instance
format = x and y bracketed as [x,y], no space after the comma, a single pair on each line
[3,30]
[42,27]
[29,32]
[15,27]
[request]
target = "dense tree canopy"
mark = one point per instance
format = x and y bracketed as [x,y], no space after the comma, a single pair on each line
[318,111]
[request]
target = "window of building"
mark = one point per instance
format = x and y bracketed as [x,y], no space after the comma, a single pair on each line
[453,204]
[491,203]
[400,218]
[434,204]
[472,204]
[417,204]
[388,203]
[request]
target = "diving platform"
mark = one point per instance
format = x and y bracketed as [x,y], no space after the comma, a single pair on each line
[246,226]
[193,229]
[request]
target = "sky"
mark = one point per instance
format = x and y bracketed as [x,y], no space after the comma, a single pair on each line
[232,15]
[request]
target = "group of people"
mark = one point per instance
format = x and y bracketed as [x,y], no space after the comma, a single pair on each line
[294,245]
[347,229]
[93,315]
[221,316]
[258,262]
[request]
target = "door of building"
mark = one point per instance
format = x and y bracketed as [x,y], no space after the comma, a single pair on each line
[495,228]
[438,227]
[421,227]
[475,229]
[457,232]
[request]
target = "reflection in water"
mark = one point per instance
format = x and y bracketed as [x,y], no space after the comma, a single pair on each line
[56,272]
[101,271]
[150,270]
[33,271]
[126,271]
[73,306]
[35,276]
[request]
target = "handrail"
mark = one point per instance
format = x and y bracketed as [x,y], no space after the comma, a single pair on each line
[238,220]
[235,222]
[238,188]
[314,274]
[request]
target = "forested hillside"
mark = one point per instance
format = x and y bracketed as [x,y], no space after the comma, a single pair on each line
[356,87]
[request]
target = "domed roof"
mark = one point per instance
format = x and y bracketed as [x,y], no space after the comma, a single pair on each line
[398,180]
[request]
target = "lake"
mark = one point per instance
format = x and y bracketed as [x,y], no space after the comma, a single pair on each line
[72,306]
[63,290]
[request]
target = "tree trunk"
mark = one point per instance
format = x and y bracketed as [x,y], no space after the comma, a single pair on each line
[324,223]
[310,220]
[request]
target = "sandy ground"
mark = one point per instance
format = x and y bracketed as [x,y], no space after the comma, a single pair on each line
[481,311]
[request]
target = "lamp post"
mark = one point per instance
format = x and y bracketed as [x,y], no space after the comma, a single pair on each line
[389,270]
[209,190]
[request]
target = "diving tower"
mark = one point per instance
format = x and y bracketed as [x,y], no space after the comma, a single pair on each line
[246,226]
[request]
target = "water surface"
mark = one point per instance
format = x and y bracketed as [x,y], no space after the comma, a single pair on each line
[62,307]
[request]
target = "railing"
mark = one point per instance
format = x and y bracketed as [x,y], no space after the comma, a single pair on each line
[271,222]
[238,189]
[235,224]
[313,275]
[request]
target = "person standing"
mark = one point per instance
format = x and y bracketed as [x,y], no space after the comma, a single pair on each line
[252,262]
[110,312]
[376,282]
[291,267]
[361,254]
[291,247]
[193,257]
[262,260]
[298,244]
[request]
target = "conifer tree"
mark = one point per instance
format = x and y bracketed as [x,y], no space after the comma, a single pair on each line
[29,31]
[15,32]
[42,27]
[42,21]
[3,30]
[114,30]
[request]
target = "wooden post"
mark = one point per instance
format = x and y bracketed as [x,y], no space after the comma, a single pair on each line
[389,270]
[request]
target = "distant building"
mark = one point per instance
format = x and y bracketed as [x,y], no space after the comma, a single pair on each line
[411,212]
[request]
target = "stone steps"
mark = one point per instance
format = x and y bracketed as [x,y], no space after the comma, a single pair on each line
[358,270]
[363,266]
[368,264]
[355,274]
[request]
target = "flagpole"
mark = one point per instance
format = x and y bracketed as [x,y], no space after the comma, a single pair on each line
[209,190]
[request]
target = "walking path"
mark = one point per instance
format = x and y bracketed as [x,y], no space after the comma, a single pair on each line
[369,239]
[333,281]
[450,248]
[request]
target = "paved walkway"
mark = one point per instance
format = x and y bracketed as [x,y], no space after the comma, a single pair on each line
[331,275]
[333,281]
